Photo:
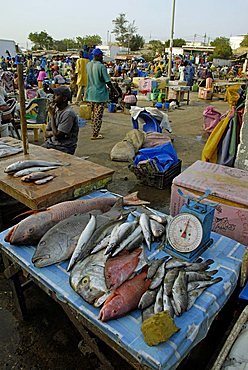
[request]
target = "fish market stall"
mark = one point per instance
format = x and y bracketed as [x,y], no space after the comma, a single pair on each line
[75,178]
[124,334]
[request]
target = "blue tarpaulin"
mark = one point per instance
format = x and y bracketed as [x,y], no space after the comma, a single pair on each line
[164,155]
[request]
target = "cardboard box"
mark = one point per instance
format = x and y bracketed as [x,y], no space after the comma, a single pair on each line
[147,85]
[205,94]
[175,95]
[229,187]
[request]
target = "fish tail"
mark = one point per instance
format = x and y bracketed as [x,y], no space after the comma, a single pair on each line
[132,199]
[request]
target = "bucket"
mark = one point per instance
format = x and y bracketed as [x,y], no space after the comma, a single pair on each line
[111,107]
[159,105]
[85,111]
[166,105]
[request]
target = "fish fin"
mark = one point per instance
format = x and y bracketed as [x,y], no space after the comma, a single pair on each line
[132,199]
[30,212]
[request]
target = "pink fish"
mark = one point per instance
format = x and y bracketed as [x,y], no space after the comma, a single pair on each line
[125,298]
[30,230]
[119,269]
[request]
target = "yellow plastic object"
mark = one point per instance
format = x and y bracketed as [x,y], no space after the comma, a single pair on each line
[85,111]
[210,150]
[158,328]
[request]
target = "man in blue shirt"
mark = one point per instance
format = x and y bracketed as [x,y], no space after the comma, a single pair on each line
[97,92]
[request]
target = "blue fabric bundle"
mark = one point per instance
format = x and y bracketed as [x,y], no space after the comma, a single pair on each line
[164,155]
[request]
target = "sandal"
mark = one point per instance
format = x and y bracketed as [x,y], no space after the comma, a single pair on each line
[97,137]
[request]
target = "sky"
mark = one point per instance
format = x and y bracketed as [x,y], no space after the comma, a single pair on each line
[71,18]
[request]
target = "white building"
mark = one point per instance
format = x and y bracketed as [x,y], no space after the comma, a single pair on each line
[235,41]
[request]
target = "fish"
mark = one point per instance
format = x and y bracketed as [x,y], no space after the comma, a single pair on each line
[168,305]
[169,280]
[118,269]
[179,293]
[158,277]
[60,241]
[7,150]
[87,278]
[201,284]
[100,233]
[193,295]
[147,299]
[147,312]
[158,218]
[31,229]
[159,304]
[154,265]
[125,298]
[101,245]
[176,263]
[119,234]
[45,180]
[136,242]
[200,266]
[157,229]
[128,240]
[194,275]
[146,229]
[83,239]
[21,165]
[34,176]
[30,170]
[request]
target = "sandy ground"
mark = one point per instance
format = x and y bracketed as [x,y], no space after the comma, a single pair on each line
[47,340]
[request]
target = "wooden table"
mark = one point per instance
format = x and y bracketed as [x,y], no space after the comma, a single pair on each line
[78,178]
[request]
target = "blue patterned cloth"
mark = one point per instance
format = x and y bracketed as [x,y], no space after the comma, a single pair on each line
[193,324]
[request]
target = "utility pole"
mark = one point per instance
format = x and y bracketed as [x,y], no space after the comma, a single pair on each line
[204,39]
[171,37]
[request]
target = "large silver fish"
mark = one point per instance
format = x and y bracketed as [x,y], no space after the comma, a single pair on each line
[119,234]
[21,165]
[60,241]
[87,277]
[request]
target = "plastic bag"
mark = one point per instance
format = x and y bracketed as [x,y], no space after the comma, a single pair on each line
[211,118]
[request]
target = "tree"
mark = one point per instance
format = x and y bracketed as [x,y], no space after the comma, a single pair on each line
[123,30]
[177,43]
[156,46]
[222,48]
[136,42]
[41,40]
[244,41]
[89,40]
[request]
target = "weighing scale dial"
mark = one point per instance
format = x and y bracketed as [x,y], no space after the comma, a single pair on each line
[185,232]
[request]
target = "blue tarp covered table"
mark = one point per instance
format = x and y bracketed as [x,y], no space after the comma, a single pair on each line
[125,332]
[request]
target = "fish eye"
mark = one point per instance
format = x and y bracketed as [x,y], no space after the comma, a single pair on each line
[85,280]
[31,230]
[43,242]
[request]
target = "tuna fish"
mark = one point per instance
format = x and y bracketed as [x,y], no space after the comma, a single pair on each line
[125,298]
[30,230]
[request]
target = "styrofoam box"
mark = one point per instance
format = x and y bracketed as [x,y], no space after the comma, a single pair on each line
[229,189]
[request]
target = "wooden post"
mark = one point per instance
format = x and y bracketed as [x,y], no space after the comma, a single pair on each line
[22,108]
